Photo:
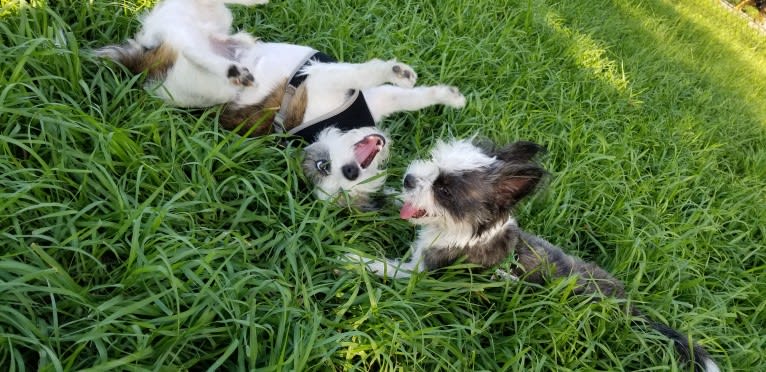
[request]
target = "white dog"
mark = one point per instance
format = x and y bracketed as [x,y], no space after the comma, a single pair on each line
[192,59]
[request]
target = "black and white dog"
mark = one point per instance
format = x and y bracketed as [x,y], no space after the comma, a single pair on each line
[192,59]
[462,200]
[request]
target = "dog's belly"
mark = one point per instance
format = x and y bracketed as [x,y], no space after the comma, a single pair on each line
[270,64]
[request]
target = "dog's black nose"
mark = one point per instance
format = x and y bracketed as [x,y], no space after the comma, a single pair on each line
[409,182]
[350,171]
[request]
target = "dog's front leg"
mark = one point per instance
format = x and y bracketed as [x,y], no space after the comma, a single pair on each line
[342,77]
[388,268]
[328,84]
[386,100]
[504,275]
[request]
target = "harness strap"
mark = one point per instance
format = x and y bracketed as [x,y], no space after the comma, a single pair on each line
[354,113]
[296,79]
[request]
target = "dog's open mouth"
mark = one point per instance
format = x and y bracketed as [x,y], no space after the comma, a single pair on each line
[366,149]
[410,211]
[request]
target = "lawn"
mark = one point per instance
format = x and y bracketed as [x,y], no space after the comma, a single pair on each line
[135,236]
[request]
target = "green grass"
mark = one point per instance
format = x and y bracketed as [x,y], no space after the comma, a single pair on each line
[134,236]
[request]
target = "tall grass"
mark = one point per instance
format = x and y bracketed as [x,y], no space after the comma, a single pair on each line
[134,236]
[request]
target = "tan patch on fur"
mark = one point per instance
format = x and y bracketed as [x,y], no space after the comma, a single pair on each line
[155,62]
[256,119]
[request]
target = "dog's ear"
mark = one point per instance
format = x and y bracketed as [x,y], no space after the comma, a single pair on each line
[515,181]
[521,151]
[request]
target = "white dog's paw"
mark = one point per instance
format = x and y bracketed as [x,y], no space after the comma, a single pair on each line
[354,258]
[402,75]
[240,75]
[372,265]
[504,275]
[449,96]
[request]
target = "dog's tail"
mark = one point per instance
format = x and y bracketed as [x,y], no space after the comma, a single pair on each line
[137,58]
[594,280]
[689,352]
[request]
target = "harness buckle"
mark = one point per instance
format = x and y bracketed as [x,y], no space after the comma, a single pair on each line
[279,119]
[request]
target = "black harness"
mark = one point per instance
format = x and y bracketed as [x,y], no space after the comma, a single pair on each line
[353,114]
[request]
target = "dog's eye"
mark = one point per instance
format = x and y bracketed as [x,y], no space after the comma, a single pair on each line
[323,166]
[443,191]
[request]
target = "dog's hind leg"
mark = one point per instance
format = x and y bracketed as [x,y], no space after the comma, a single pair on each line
[218,59]
[200,32]
[386,100]
[213,54]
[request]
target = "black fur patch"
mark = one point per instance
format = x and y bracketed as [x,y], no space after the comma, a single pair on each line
[232,72]
[521,151]
[463,195]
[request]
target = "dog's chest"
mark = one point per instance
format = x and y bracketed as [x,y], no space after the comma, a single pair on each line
[441,247]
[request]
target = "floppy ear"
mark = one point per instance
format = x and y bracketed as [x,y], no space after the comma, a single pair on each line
[521,151]
[515,182]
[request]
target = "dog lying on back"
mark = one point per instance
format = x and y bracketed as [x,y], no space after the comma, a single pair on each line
[192,59]
[462,200]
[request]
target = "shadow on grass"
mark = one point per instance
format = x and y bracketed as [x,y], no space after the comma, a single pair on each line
[683,42]
[702,77]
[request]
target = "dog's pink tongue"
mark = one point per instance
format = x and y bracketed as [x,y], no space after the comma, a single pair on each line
[408,210]
[366,149]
